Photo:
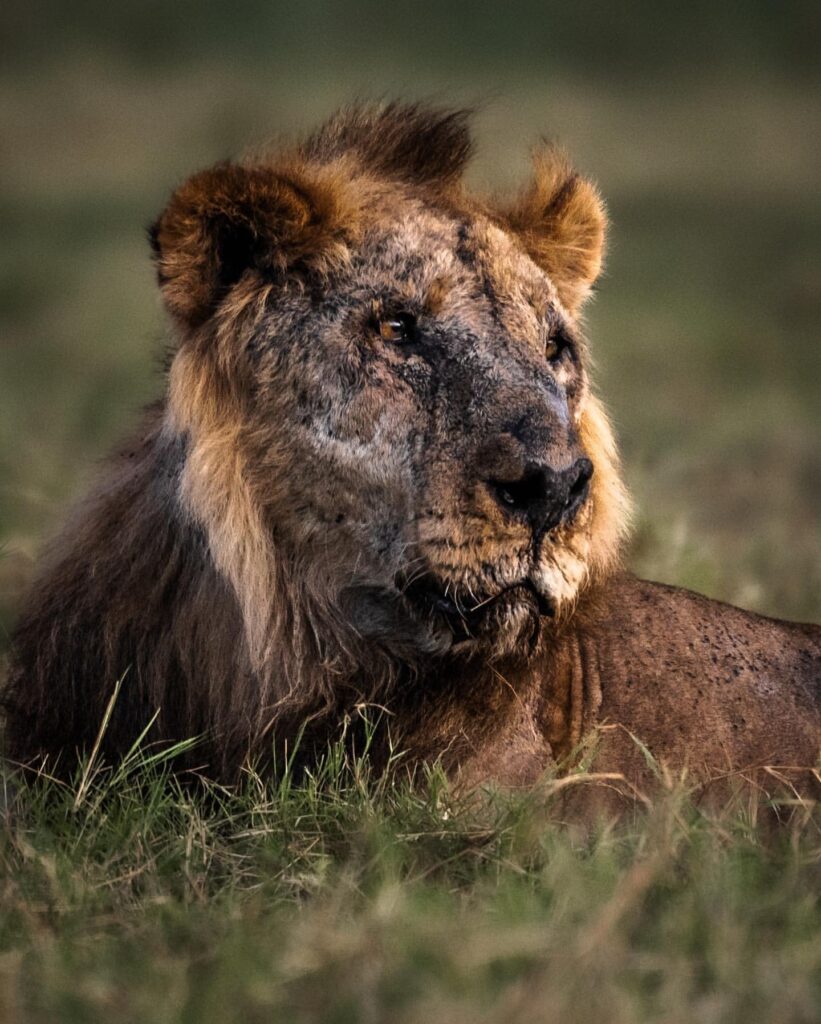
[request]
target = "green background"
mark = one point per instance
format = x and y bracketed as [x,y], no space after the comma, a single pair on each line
[699,121]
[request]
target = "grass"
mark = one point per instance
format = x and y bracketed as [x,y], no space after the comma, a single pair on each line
[131,896]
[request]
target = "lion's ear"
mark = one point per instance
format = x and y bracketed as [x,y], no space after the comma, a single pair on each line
[561,219]
[231,219]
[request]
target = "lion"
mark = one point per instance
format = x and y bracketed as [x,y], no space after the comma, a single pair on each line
[379,476]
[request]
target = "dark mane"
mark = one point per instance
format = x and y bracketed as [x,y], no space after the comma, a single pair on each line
[407,142]
[127,592]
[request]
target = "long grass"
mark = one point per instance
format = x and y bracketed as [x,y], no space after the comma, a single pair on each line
[134,895]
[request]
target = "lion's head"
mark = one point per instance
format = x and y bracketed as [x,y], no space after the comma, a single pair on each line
[382,389]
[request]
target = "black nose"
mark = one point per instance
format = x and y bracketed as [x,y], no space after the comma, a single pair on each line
[543,496]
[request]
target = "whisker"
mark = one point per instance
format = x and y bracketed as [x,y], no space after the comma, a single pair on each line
[487,600]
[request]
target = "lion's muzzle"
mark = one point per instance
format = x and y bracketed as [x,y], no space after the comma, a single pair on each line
[543,496]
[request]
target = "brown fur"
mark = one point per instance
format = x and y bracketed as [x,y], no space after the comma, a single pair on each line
[317,516]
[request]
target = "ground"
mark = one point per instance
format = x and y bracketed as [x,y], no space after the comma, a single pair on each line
[345,899]
[349,902]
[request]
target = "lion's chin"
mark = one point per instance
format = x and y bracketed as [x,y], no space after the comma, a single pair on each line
[421,622]
[500,625]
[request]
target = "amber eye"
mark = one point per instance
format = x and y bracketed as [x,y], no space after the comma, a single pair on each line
[399,329]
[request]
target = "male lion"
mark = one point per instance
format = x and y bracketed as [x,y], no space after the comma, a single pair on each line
[379,475]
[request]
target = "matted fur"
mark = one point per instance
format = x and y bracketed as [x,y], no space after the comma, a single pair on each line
[330,507]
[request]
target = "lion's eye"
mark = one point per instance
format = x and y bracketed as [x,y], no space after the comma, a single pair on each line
[555,347]
[399,329]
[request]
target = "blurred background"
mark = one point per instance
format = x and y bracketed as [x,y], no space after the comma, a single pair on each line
[700,121]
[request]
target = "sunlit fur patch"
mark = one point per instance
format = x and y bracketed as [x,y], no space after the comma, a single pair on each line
[214,490]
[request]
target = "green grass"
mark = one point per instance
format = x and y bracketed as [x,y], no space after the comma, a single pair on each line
[129,896]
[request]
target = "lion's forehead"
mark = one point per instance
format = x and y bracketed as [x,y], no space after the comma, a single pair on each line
[459,266]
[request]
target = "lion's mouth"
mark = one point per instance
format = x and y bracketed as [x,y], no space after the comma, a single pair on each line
[466,614]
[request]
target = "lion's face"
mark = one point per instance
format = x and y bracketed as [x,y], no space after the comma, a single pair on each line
[415,423]
[425,414]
